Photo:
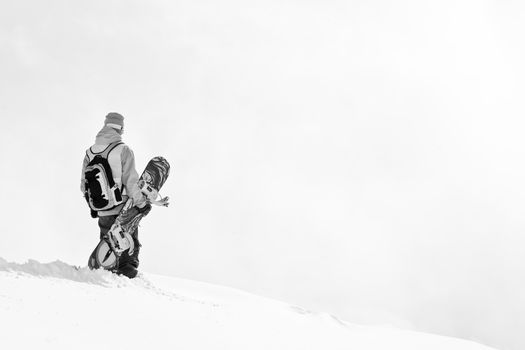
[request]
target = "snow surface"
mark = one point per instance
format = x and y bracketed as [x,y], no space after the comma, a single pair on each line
[59,306]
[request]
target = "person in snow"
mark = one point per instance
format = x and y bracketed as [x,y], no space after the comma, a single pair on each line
[108,144]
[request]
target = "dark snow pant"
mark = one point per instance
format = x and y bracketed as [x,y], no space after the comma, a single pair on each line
[128,264]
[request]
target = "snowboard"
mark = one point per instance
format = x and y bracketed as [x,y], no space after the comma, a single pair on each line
[119,238]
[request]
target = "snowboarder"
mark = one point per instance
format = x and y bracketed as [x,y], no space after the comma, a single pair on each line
[109,178]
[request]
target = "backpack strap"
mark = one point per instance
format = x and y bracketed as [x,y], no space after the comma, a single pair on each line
[105,153]
[110,148]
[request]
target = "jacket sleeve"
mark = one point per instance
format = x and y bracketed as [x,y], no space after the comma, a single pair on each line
[82,180]
[130,177]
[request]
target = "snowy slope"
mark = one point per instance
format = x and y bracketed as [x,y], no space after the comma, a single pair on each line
[57,306]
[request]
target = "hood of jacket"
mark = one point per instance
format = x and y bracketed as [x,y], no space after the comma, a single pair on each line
[107,135]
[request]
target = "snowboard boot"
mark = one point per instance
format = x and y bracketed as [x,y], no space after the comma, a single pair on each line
[128,270]
[128,264]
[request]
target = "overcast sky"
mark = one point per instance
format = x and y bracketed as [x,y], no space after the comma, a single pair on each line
[363,158]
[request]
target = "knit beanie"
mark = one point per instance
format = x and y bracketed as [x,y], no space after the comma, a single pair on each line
[114,120]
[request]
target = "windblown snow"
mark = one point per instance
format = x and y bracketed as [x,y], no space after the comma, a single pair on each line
[58,306]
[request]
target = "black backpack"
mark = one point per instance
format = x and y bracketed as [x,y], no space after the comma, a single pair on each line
[101,191]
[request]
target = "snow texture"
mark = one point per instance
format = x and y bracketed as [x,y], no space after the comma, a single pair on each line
[59,306]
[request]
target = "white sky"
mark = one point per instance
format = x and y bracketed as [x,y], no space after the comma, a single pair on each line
[358,157]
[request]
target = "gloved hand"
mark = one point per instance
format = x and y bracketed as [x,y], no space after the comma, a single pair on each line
[94,214]
[145,209]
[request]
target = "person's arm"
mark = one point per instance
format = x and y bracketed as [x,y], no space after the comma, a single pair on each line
[130,177]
